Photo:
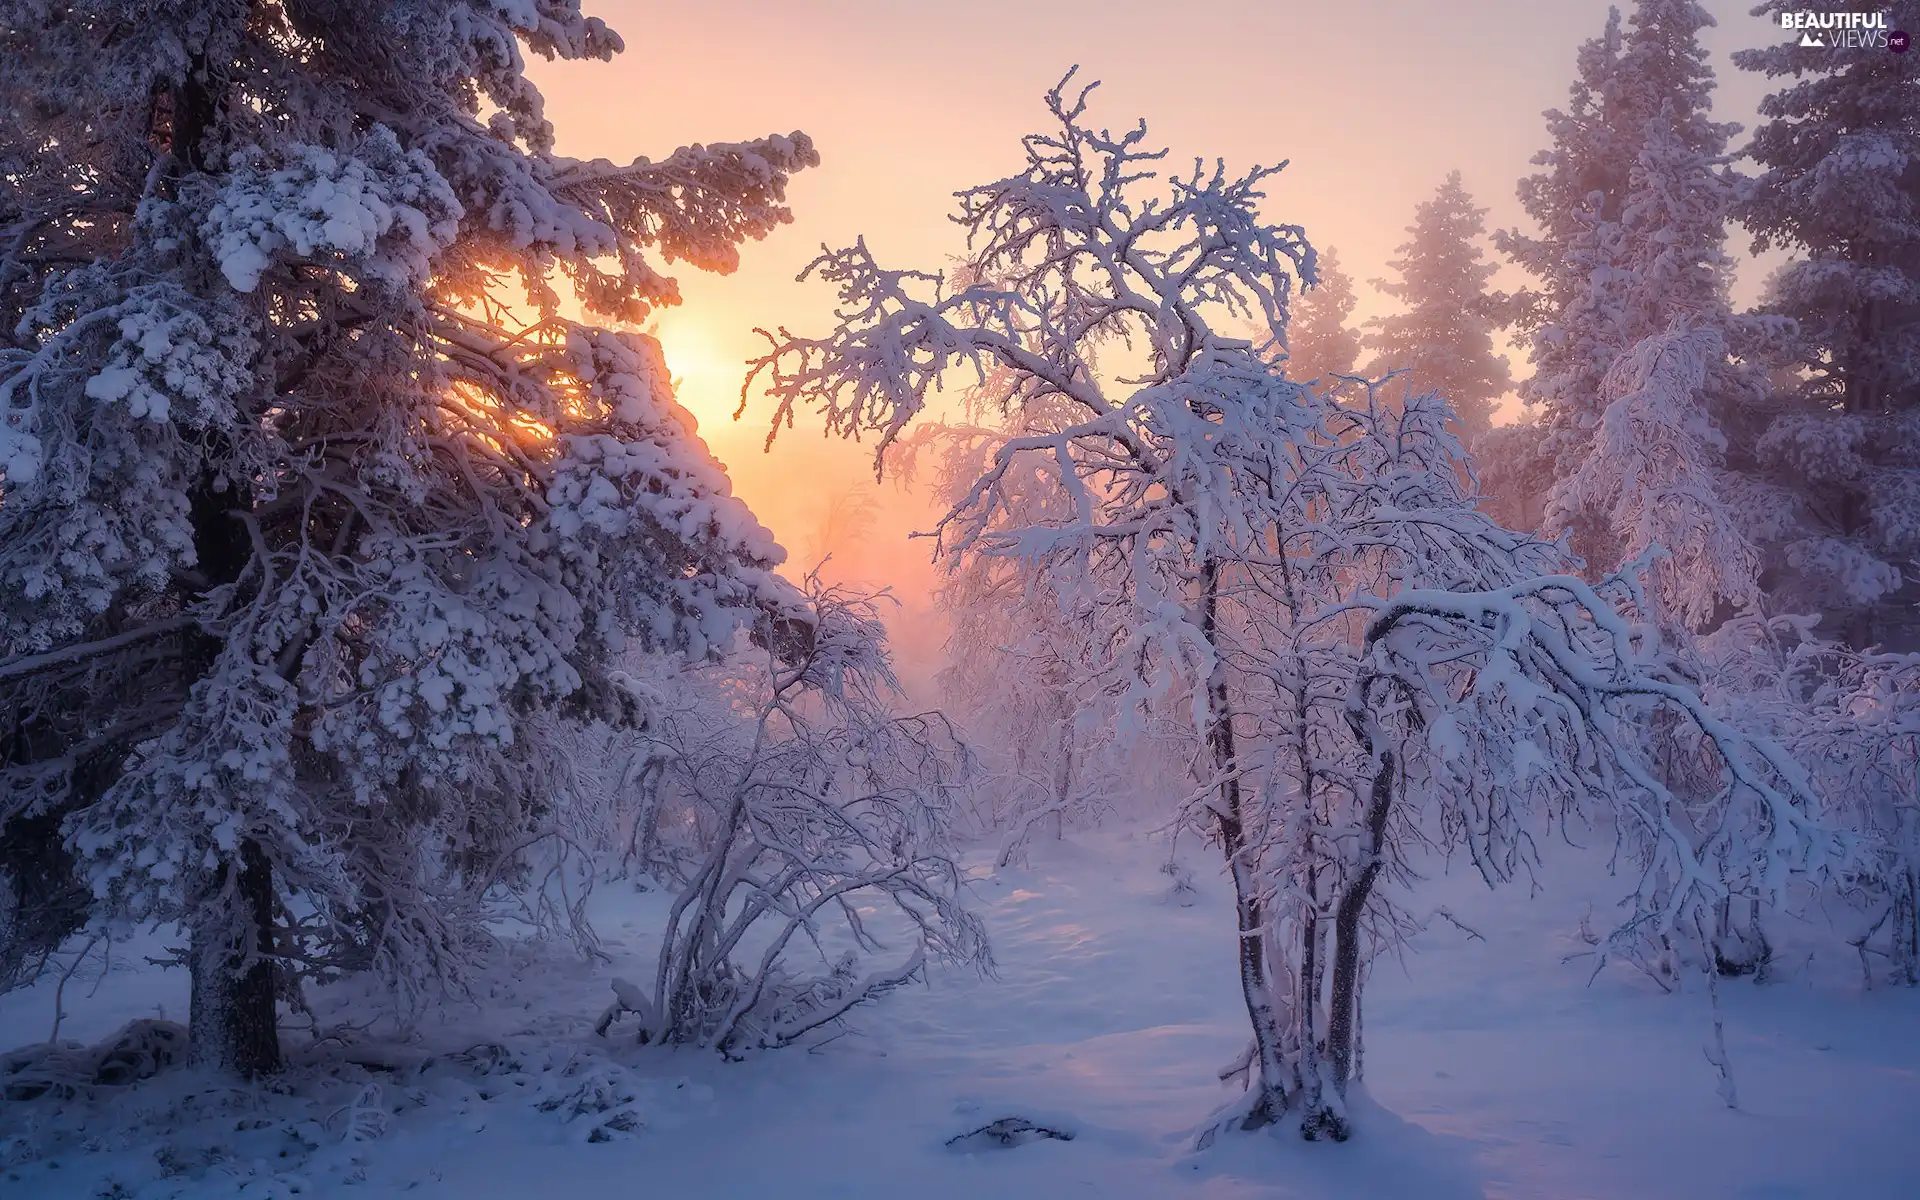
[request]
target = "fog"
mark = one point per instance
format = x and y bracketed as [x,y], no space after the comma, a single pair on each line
[1370,104]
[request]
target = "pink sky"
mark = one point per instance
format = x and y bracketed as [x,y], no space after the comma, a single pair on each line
[1372,101]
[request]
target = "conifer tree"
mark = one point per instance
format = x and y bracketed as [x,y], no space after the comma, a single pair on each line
[1632,215]
[1320,343]
[1444,339]
[1580,190]
[1837,456]
[313,504]
[1650,82]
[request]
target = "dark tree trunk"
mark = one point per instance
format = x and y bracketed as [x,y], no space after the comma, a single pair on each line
[1309,1000]
[1344,1003]
[1740,949]
[1865,388]
[1268,1069]
[234,1021]
[1906,927]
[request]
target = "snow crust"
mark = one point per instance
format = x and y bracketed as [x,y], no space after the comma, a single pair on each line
[1494,1068]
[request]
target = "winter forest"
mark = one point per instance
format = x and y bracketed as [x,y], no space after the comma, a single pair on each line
[1357,640]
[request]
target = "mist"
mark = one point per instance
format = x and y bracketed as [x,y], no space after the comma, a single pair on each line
[1034,599]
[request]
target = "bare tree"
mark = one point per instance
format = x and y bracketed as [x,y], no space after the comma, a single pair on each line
[1022,659]
[793,799]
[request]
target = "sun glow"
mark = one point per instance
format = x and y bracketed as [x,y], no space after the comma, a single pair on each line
[706,373]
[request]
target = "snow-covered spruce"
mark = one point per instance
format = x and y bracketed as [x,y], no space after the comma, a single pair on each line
[1653,475]
[1636,90]
[1321,346]
[1444,338]
[1631,213]
[315,508]
[1837,451]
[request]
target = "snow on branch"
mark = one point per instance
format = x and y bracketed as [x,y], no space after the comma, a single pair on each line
[1654,474]
[1550,679]
[318,519]
[790,807]
[1089,244]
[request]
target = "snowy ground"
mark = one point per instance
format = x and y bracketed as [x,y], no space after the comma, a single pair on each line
[1495,1069]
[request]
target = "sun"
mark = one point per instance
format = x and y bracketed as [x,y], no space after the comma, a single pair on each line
[706,371]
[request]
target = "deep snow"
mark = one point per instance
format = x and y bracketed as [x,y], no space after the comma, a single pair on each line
[1493,1066]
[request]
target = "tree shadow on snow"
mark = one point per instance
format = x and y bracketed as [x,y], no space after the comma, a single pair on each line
[1387,1156]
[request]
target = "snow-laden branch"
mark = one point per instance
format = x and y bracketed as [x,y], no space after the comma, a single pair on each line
[804,805]
[1653,473]
[1554,661]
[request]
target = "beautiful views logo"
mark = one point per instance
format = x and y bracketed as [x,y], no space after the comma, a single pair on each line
[1840,30]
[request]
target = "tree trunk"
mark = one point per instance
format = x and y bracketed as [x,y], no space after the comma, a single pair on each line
[1738,950]
[1865,392]
[1308,1017]
[1906,927]
[1063,779]
[233,1024]
[1346,924]
[1269,1078]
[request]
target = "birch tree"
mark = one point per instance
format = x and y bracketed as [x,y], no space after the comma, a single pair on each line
[1153,506]
[1276,560]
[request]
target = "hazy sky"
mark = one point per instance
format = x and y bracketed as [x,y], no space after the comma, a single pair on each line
[1371,101]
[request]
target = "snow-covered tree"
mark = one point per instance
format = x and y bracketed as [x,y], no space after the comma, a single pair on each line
[1321,345]
[1854,719]
[1444,338]
[1654,475]
[1632,216]
[784,797]
[1244,530]
[1836,452]
[1841,189]
[315,506]
[1571,202]
[1023,646]
[1515,471]
[1652,78]
[845,519]
[1158,503]
[1551,693]
[1015,660]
